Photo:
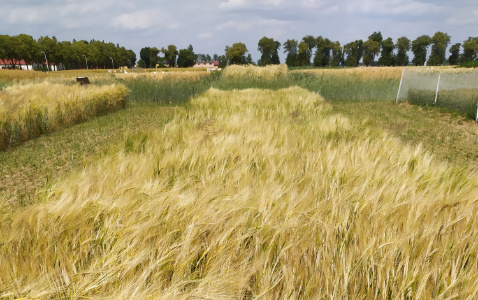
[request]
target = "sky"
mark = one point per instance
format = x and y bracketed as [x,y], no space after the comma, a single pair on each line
[211,25]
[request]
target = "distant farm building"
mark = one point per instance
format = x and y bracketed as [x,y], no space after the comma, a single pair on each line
[209,65]
[23,65]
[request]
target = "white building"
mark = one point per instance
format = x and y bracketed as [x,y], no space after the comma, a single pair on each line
[22,65]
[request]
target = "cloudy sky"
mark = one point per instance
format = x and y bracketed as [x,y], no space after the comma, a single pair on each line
[210,25]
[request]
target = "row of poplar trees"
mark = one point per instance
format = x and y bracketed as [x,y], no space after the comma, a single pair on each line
[389,52]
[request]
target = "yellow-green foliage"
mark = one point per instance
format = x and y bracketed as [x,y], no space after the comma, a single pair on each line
[250,194]
[250,71]
[30,110]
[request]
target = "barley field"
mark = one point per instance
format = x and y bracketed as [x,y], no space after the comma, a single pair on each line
[29,110]
[250,194]
[267,72]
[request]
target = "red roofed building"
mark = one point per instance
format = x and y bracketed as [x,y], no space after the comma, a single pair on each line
[209,65]
[22,65]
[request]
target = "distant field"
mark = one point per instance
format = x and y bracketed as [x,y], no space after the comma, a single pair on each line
[246,193]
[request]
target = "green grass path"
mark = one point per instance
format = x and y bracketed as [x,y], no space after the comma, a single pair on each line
[450,137]
[39,162]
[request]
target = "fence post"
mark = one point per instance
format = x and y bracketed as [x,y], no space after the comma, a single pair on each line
[400,86]
[438,86]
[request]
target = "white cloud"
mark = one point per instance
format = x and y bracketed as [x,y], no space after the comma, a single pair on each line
[391,7]
[464,17]
[204,36]
[232,5]
[263,24]
[28,15]
[138,20]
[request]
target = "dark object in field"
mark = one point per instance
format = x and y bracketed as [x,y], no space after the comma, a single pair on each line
[82,80]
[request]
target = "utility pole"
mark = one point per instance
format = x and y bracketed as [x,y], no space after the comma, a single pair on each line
[47,66]
[86,61]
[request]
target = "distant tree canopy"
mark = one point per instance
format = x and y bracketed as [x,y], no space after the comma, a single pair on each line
[269,50]
[455,54]
[419,49]
[403,46]
[170,55]
[236,54]
[439,42]
[470,50]
[323,53]
[354,51]
[291,47]
[186,57]
[72,55]
[389,53]
[387,57]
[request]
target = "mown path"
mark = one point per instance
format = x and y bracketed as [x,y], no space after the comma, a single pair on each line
[39,162]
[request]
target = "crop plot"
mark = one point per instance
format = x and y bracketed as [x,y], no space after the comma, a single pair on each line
[250,193]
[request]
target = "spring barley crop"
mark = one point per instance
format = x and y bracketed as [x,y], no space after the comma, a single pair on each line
[250,194]
[30,110]
[248,71]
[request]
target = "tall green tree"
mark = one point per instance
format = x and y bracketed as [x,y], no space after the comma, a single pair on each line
[337,58]
[248,60]
[291,47]
[80,49]
[122,57]
[153,57]
[403,46]
[9,49]
[419,49]
[48,45]
[186,57]
[28,49]
[311,44]
[376,36]
[145,55]
[4,43]
[439,42]
[470,49]
[275,55]
[303,59]
[131,57]
[170,54]
[236,53]
[387,57]
[65,56]
[322,53]
[454,57]
[354,51]
[370,49]
[269,51]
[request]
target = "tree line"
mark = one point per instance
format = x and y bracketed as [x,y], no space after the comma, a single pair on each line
[389,52]
[184,58]
[71,55]
[316,51]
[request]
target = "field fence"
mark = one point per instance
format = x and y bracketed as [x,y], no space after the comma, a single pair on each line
[455,89]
